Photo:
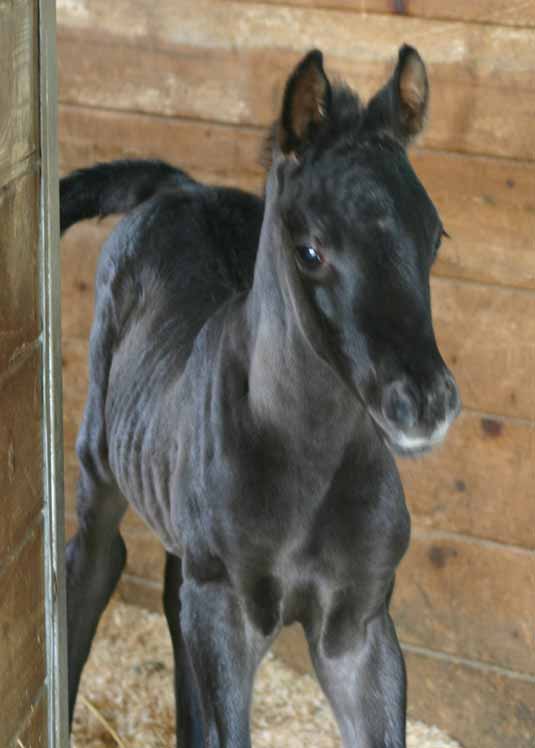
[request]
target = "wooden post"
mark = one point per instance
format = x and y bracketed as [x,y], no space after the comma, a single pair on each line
[32,671]
[50,277]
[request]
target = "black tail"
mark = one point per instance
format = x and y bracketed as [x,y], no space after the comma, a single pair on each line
[116,187]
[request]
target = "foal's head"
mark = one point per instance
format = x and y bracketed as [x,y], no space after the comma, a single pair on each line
[357,235]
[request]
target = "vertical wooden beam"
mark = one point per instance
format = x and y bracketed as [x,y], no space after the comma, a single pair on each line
[51,385]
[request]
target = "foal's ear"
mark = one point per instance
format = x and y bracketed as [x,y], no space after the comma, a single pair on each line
[306,103]
[401,105]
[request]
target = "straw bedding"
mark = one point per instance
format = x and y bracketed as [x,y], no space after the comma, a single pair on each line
[126,696]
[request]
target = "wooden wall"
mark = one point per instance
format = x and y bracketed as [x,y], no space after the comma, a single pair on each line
[22,639]
[197,83]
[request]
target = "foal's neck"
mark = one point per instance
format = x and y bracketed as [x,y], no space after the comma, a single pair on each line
[292,387]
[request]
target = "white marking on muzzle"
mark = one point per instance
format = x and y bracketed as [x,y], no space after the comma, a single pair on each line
[413,443]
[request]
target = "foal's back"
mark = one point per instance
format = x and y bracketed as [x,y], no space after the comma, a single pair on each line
[176,259]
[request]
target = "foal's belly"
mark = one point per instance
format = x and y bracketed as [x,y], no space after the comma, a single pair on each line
[143,476]
[142,422]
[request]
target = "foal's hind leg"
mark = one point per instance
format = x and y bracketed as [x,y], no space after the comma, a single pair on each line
[95,559]
[188,718]
[96,555]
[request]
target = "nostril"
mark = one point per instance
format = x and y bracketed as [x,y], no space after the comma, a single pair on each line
[399,407]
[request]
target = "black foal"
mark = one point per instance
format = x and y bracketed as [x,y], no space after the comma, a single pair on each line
[254,366]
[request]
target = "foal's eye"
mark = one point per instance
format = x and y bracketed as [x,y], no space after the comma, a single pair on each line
[309,257]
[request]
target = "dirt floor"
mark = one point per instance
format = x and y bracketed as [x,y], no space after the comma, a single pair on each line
[126,696]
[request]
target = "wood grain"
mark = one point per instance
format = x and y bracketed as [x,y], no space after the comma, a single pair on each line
[23,642]
[136,591]
[487,336]
[515,13]
[18,92]
[488,208]
[20,445]
[479,482]
[467,598]
[481,708]
[228,62]
[146,555]
[35,731]
[223,152]
[19,301]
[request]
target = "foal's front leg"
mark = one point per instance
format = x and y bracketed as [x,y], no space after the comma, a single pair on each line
[366,686]
[225,651]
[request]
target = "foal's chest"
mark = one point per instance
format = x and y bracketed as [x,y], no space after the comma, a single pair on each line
[296,539]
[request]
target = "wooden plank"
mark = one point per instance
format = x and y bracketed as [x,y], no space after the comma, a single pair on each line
[18,93]
[480,482]
[484,202]
[229,61]
[22,627]
[20,444]
[19,305]
[487,208]
[34,734]
[146,555]
[137,591]
[487,336]
[478,705]
[222,151]
[467,598]
[515,13]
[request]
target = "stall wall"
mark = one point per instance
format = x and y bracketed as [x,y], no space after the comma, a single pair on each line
[197,83]
[22,607]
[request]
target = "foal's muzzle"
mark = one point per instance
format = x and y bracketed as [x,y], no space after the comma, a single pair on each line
[415,419]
